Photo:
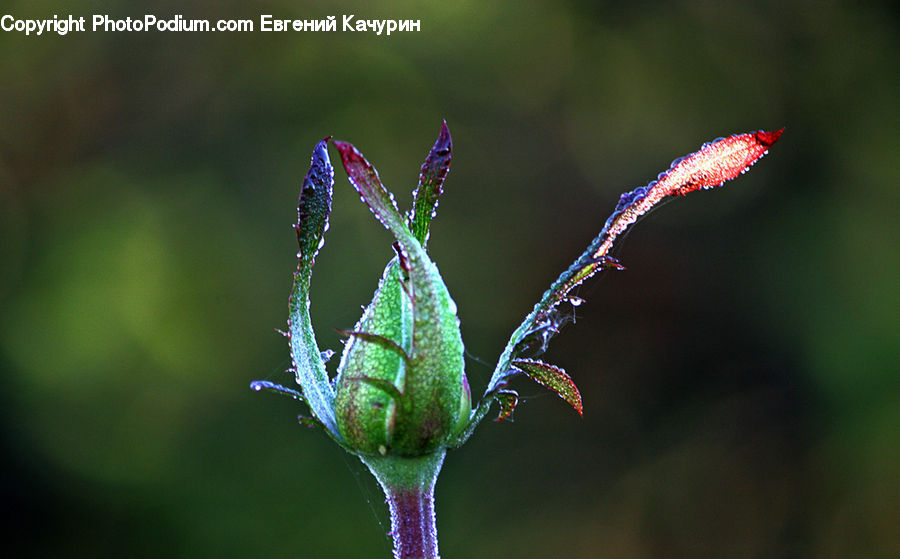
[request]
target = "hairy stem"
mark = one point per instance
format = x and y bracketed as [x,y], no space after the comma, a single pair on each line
[412,524]
[408,484]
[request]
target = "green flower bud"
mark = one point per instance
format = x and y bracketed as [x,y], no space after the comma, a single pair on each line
[400,387]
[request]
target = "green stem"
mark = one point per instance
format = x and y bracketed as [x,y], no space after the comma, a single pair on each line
[408,484]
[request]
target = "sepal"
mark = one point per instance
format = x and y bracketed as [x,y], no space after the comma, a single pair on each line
[313,209]
[431,181]
[715,163]
[259,385]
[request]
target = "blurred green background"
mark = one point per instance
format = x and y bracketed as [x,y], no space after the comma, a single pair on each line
[740,378]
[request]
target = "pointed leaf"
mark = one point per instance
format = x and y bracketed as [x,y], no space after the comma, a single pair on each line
[312,220]
[715,163]
[431,180]
[553,378]
[508,399]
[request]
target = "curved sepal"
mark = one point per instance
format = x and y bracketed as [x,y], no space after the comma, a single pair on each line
[313,210]
[431,181]
[377,339]
[259,385]
[311,422]
[553,378]
[715,163]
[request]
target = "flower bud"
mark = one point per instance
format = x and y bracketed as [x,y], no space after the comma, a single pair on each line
[400,386]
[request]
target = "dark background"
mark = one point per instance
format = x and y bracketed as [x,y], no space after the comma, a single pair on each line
[740,378]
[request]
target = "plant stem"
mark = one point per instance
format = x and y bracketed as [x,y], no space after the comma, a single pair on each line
[412,525]
[408,484]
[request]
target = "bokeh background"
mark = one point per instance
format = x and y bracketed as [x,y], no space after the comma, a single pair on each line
[742,396]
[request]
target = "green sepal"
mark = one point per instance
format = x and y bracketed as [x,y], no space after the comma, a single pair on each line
[377,339]
[313,210]
[385,386]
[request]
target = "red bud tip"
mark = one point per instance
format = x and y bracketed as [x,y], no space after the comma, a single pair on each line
[768,138]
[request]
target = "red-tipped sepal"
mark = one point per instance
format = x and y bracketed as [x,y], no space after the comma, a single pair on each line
[711,166]
[716,162]
[366,181]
